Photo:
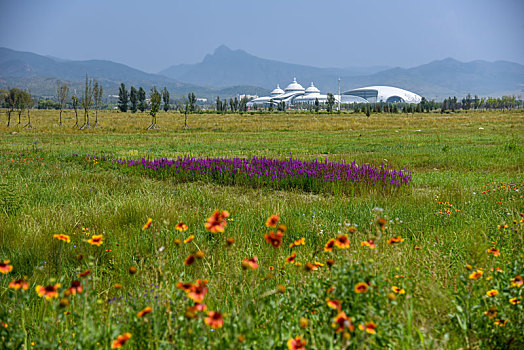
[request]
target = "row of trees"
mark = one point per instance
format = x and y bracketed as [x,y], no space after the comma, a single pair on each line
[18,100]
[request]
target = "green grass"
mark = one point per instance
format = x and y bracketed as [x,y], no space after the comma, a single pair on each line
[44,192]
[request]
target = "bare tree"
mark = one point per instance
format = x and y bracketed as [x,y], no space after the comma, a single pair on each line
[30,102]
[97,96]
[62,93]
[87,101]
[74,100]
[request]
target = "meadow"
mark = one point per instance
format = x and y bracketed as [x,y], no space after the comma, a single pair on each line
[433,264]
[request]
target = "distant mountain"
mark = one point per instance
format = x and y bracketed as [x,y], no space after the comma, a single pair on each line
[435,80]
[29,70]
[226,67]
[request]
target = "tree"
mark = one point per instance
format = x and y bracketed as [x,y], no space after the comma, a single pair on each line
[156,100]
[30,102]
[123,98]
[165,97]
[192,100]
[243,104]
[98,90]
[133,98]
[87,101]
[219,104]
[62,93]
[74,100]
[270,108]
[317,105]
[142,105]
[10,99]
[20,105]
[368,111]
[330,102]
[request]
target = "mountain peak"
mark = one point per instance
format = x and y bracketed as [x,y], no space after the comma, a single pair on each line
[222,49]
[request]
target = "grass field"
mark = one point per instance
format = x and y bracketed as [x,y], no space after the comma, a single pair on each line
[467,187]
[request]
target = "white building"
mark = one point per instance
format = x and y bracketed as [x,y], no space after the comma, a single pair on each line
[292,94]
[388,94]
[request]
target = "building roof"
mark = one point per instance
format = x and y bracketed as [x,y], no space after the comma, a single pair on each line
[294,86]
[381,93]
[277,91]
[312,89]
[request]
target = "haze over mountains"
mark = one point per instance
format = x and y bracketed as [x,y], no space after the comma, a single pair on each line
[229,72]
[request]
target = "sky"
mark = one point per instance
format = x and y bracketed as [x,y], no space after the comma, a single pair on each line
[155,34]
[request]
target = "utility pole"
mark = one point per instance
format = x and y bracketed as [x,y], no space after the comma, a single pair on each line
[339,95]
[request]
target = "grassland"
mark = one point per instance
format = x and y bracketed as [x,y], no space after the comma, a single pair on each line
[467,172]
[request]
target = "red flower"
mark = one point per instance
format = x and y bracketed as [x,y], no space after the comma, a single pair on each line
[49,292]
[395,240]
[96,240]
[147,224]
[19,284]
[5,267]
[296,343]
[334,304]
[214,319]
[272,221]
[275,239]
[120,341]
[217,222]
[250,263]
[369,244]
[342,242]
[291,259]
[342,322]
[186,287]
[361,287]
[329,245]
[198,291]
[85,273]
[145,311]
[369,327]
[181,227]
[76,287]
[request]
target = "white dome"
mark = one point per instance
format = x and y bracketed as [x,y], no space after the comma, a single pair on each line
[277,91]
[294,86]
[312,89]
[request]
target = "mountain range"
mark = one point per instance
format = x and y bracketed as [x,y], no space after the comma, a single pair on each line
[228,72]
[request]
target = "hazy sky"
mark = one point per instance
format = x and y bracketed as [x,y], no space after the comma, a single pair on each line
[154,34]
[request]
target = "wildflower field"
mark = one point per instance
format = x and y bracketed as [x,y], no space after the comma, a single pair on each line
[274,231]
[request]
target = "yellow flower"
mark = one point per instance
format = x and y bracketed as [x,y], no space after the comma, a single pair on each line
[62,237]
[398,290]
[96,240]
[475,275]
[492,292]
[147,224]
[189,239]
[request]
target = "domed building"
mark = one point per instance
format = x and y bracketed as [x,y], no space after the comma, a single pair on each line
[388,94]
[293,93]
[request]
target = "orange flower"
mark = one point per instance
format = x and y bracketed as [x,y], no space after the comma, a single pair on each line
[514,301]
[342,242]
[382,223]
[120,341]
[342,322]
[189,239]
[298,242]
[492,312]
[334,304]
[190,260]
[318,264]
[5,267]
[19,284]
[310,267]
[251,264]
[500,322]
[145,311]
[398,290]
[369,244]
[76,287]
[352,229]
[517,281]
[272,221]
[184,286]
[330,262]
[417,247]
[198,291]
[230,241]
[214,319]
[49,292]
[296,343]
[62,237]
[369,327]
[329,245]
[84,274]
[361,287]
[217,222]
[96,240]
[394,240]
[275,239]
[181,227]
[282,228]
[494,251]
[147,224]
[492,292]
[475,275]
[291,259]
